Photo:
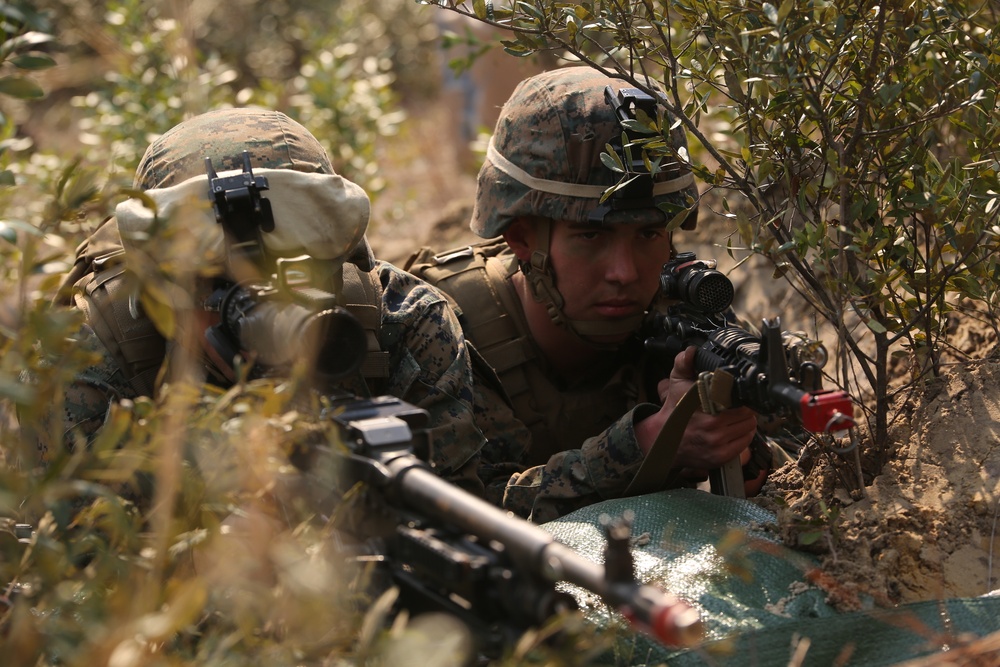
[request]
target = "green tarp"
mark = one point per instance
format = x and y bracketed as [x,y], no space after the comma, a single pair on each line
[754,594]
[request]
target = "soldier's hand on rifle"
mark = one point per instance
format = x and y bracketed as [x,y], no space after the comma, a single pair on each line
[709,441]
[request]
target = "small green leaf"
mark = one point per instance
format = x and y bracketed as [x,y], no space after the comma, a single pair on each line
[610,162]
[21,88]
[157,306]
[786,8]
[516,49]
[889,92]
[9,229]
[28,39]
[636,126]
[611,159]
[571,28]
[678,220]
[530,10]
[810,537]
[744,227]
[875,326]
[733,86]
[771,12]
[33,61]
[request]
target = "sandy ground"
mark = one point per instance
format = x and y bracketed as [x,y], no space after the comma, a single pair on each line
[927,526]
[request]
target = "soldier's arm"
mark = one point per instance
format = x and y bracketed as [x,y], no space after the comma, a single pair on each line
[77,416]
[432,369]
[600,469]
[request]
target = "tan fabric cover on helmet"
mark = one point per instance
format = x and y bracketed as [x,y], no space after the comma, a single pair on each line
[322,215]
[273,140]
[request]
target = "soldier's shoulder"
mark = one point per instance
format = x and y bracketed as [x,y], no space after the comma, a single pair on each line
[404,293]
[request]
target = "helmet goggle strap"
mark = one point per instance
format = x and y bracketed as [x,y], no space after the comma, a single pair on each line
[538,271]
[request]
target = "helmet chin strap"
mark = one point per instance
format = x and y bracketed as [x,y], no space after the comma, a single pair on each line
[541,281]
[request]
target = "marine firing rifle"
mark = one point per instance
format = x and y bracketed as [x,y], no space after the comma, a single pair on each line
[776,374]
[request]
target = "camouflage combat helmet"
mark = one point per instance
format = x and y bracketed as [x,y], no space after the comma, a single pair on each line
[545,156]
[544,163]
[273,140]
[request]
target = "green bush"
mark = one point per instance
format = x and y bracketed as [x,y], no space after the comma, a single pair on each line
[856,148]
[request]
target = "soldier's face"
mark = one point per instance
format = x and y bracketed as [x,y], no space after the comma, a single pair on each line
[603,273]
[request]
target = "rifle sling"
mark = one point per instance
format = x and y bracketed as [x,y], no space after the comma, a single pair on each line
[654,473]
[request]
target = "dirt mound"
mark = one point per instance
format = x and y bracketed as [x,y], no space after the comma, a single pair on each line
[927,526]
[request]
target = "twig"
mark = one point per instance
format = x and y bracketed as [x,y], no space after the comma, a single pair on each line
[989,558]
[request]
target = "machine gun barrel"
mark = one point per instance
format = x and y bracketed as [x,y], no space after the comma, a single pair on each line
[667,618]
[382,456]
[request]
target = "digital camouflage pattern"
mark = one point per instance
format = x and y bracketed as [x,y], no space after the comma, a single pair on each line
[555,127]
[521,471]
[552,446]
[273,140]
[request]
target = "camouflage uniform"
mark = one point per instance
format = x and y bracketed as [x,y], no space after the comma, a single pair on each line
[428,358]
[582,470]
[552,447]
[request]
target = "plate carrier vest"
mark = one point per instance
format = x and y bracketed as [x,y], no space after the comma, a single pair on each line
[476,279]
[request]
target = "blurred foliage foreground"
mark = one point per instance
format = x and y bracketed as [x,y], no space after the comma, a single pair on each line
[174,538]
[105,580]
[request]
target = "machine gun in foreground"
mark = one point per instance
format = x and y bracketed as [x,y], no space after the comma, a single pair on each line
[450,551]
[776,373]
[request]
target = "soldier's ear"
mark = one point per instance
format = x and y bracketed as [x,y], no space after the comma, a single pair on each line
[520,237]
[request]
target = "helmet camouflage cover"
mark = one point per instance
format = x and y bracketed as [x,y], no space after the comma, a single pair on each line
[548,142]
[273,140]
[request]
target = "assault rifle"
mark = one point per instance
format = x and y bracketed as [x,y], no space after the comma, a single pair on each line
[776,373]
[449,551]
